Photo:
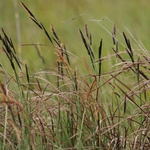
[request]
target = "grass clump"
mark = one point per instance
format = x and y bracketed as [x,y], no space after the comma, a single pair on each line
[77,105]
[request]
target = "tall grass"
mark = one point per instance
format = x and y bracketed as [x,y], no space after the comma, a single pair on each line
[77,106]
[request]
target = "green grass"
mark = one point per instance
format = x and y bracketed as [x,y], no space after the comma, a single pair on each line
[51,12]
[79,84]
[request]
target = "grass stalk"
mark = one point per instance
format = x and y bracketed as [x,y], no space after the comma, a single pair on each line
[76,104]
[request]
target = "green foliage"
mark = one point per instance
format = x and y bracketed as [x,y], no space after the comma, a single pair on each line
[99,100]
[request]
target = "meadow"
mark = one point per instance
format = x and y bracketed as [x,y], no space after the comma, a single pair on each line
[74,75]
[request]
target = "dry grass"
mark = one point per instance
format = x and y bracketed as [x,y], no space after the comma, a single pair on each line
[66,108]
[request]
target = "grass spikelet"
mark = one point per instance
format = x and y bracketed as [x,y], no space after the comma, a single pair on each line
[86,31]
[40,25]
[10,54]
[99,57]
[46,33]
[8,40]
[84,41]
[62,60]
[62,45]
[88,35]
[129,50]
[74,102]
[54,33]
[114,34]
[27,73]
[31,16]
[88,48]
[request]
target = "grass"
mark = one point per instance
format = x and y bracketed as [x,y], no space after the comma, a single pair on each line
[95,102]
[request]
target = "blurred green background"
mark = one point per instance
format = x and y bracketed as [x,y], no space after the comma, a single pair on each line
[132,14]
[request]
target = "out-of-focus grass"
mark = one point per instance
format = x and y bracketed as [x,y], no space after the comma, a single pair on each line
[79,105]
[132,14]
